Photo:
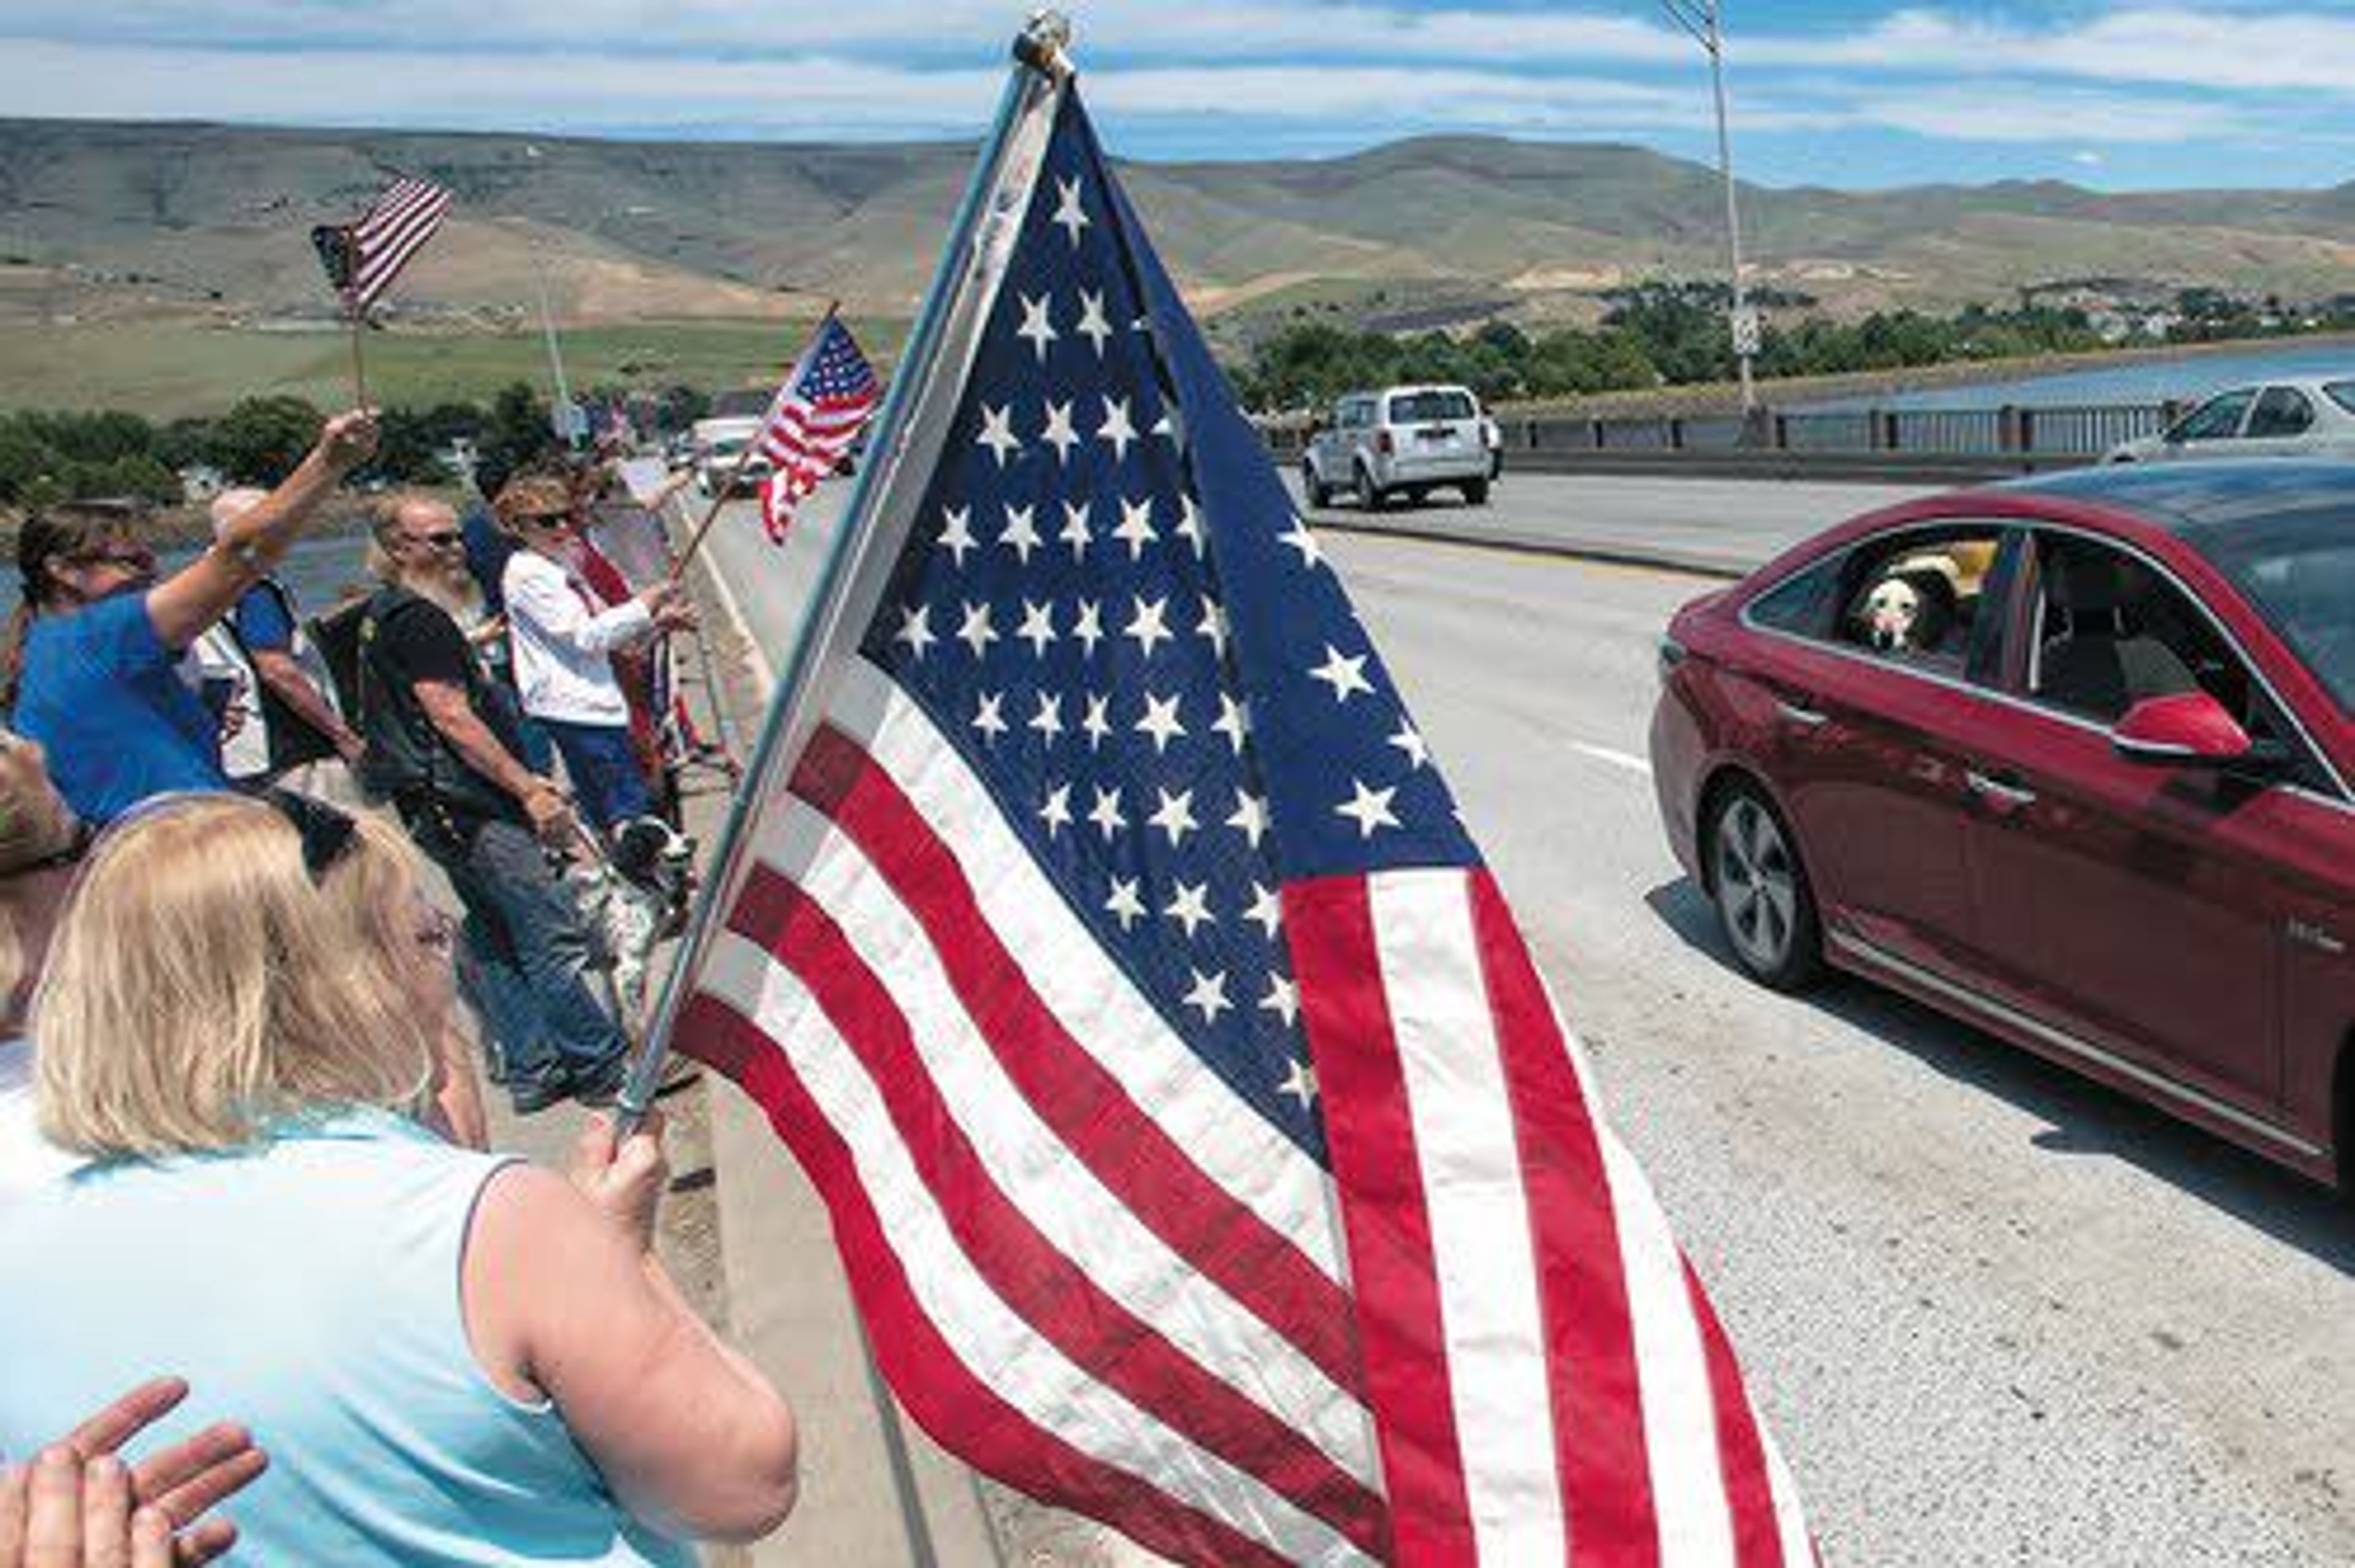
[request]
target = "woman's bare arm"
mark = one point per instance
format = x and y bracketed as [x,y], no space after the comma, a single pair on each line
[564,1296]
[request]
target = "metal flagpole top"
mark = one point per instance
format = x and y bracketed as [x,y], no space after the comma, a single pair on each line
[1044,43]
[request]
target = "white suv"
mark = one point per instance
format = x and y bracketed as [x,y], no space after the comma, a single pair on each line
[1403,441]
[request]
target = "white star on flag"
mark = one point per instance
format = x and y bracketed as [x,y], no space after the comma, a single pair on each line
[1189,906]
[1115,429]
[1174,815]
[1036,326]
[1345,675]
[1069,214]
[956,532]
[997,433]
[1369,808]
[1059,432]
[1160,721]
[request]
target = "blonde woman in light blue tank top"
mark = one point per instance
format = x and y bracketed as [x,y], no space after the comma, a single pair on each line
[450,1358]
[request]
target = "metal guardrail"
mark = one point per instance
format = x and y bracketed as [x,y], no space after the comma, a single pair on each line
[1941,441]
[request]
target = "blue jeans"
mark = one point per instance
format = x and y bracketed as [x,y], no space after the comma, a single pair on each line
[606,778]
[530,966]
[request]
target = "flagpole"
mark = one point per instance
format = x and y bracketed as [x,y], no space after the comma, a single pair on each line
[359,372]
[1042,71]
[744,458]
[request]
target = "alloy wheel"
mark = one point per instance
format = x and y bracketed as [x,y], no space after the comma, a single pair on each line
[1757,885]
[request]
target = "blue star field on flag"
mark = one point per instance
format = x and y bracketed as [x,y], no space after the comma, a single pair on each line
[1134,640]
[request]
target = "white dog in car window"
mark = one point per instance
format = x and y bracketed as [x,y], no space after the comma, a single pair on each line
[1911,609]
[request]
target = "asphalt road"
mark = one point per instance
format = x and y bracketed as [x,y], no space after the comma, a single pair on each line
[1711,525]
[1996,1315]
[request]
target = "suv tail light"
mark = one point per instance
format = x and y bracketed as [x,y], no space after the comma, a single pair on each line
[1383,443]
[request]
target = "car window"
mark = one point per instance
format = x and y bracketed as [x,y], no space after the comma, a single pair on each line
[2298,570]
[1417,407]
[1802,604]
[2218,419]
[1923,597]
[2281,411]
[2342,394]
[2112,631]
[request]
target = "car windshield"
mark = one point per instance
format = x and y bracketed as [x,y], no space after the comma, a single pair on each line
[2218,419]
[2299,568]
[1413,408]
[2342,394]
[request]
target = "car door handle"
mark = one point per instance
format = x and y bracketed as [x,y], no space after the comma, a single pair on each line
[2007,796]
[1805,718]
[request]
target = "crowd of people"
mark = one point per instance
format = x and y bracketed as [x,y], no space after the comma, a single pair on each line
[242,1142]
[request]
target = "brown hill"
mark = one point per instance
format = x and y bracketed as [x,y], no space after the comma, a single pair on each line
[103,219]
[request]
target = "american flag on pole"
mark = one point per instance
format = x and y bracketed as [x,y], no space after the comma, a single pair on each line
[1204,1148]
[818,413]
[363,258]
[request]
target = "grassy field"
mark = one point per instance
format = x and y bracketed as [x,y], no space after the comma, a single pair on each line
[165,368]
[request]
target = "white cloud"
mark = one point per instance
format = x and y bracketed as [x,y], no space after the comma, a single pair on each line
[1230,76]
[832,97]
[2249,47]
[2278,49]
[1988,112]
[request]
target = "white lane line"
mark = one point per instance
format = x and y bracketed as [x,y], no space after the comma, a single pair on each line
[1633,763]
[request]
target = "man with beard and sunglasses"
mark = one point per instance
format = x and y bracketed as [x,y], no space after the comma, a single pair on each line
[443,748]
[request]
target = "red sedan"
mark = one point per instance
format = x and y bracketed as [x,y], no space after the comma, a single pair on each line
[2070,759]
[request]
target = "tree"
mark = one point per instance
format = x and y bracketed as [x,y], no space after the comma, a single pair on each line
[516,435]
[261,440]
[677,407]
[134,473]
[408,449]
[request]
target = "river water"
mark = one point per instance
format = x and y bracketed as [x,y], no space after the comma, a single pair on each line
[318,570]
[2185,379]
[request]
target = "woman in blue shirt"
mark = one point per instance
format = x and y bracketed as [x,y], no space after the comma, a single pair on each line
[450,1357]
[92,663]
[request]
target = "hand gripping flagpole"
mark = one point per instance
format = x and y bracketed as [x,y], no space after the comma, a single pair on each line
[752,449]
[916,411]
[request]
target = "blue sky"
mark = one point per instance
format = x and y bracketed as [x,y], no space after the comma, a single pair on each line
[2116,94]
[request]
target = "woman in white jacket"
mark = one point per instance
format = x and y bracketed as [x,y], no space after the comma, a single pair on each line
[563,634]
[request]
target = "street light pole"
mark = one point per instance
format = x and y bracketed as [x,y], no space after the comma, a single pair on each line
[1702,20]
[561,415]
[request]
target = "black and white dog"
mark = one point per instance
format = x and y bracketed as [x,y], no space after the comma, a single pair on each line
[639,896]
[1910,610]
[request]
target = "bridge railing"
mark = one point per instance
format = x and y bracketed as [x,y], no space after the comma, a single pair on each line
[1995,438]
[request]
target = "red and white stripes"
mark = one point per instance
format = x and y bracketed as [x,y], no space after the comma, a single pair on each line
[394,228]
[1149,1312]
[1090,1269]
[1548,1382]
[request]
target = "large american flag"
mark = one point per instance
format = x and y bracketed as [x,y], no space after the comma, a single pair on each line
[818,414]
[363,258]
[1205,1151]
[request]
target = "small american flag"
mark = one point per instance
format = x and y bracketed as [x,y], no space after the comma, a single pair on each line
[818,414]
[1203,1147]
[363,258]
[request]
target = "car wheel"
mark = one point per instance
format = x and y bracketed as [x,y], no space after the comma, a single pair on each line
[1764,904]
[1317,493]
[1475,490]
[1371,496]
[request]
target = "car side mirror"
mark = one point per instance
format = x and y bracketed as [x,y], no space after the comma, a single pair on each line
[2187,730]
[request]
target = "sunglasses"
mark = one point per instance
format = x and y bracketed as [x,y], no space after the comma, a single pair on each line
[444,539]
[546,519]
[130,559]
[327,834]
